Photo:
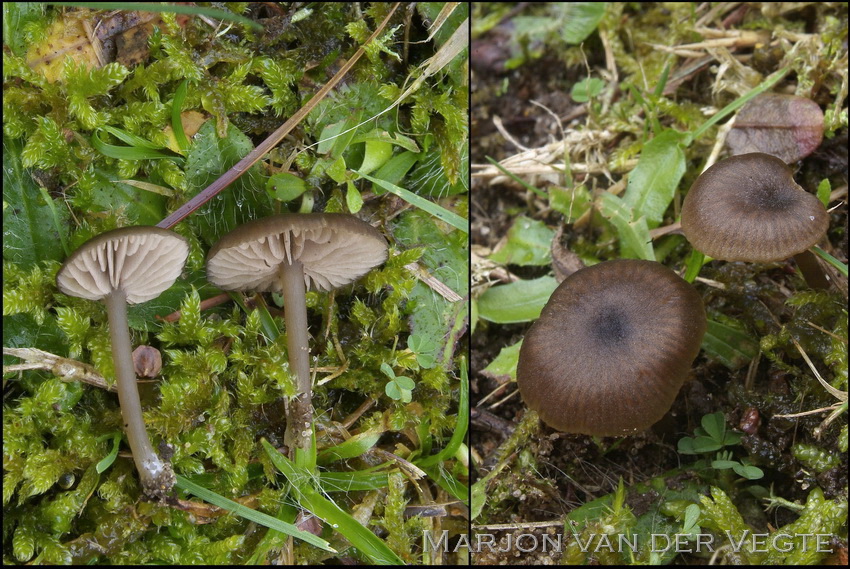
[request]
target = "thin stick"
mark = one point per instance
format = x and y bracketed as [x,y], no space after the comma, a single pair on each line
[265,146]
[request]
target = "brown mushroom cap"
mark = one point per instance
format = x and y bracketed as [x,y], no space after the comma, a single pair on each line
[611,348]
[334,248]
[748,208]
[143,261]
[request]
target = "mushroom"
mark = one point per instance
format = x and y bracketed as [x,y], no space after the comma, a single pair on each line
[128,266]
[611,348]
[748,208]
[289,253]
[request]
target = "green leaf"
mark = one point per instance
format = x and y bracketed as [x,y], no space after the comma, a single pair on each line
[580,20]
[503,366]
[113,454]
[540,193]
[285,186]
[520,301]
[137,152]
[705,444]
[355,446]
[360,537]
[586,89]
[693,265]
[31,233]
[686,446]
[747,471]
[16,19]
[461,426]
[139,206]
[336,171]
[478,498]
[730,438]
[571,203]
[377,153]
[392,390]
[653,182]
[691,516]
[437,211]
[252,515]
[424,348]
[436,318]
[635,242]
[397,167]
[729,344]
[405,383]
[176,120]
[244,200]
[353,481]
[715,425]
[353,199]
[824,190]
[842,267]
[724,464]
[336,138]
[378,135]
[529,243]
[213,13]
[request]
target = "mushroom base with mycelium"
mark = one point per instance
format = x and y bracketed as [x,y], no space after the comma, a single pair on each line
[128,266]
[611,348]
[155,475]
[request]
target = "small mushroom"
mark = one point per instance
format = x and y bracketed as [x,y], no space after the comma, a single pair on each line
[748,208]
[289,253]
[611,348]
[120,267]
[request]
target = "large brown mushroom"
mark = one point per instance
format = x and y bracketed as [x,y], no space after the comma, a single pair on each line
[288,253]
[749,208]
[120,267]
[611,348]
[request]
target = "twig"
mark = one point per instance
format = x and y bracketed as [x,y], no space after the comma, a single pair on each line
[274,138]
[433,282]
[63,368]
[205,304]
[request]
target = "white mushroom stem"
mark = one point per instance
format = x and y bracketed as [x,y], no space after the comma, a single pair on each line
[156,475]
[300,420]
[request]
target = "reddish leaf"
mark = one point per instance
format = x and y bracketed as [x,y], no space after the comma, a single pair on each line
[786,126]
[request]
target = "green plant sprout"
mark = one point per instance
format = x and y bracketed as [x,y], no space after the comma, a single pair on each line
[399,387]
[690,525]
[743,468]
[423,347]
[713,436]
[710,437]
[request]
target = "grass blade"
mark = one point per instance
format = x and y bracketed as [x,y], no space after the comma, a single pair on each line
[310,499]
[460,427]
[253,515]
[437,211]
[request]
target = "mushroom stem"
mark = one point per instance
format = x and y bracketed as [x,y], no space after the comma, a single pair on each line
[156,475]
[812,272]
[300,420]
